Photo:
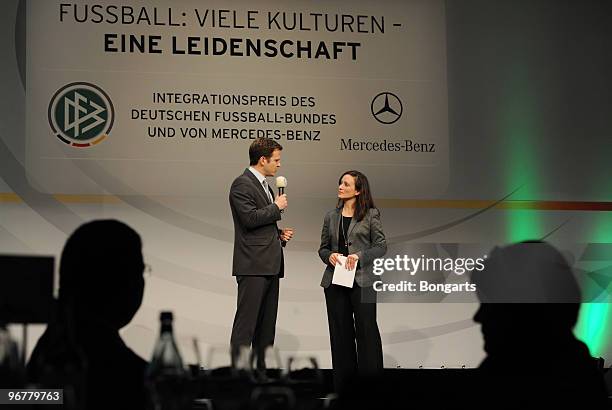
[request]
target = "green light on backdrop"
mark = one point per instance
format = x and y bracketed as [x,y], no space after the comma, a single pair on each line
[520,134]
[523,225]
[593,327]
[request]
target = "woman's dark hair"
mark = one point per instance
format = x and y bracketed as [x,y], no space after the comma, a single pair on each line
[364,200]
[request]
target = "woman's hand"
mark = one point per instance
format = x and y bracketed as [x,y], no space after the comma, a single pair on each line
[351,261]
[333,259]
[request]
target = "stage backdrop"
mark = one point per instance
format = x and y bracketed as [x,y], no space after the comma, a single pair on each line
[477,122]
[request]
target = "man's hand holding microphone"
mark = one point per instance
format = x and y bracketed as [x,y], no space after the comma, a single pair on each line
[281,199]
[281,202]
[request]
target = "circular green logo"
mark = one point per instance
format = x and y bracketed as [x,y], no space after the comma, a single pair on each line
[81,114]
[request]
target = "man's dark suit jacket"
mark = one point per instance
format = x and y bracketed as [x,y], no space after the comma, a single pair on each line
[257,247]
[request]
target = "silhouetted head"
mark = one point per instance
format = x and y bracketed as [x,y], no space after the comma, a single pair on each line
[101,273]
[527,291]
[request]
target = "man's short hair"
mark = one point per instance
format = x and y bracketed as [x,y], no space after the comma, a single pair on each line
[262,147]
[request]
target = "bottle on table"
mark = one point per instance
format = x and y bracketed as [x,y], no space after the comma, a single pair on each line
[166,377]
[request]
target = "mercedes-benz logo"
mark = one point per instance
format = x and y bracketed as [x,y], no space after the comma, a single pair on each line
[386,108]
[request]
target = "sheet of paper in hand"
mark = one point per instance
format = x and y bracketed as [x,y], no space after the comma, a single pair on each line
[343,276]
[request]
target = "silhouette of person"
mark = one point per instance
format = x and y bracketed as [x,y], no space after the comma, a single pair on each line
[529,305]
[101,288]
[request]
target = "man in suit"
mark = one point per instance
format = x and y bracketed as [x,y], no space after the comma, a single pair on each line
[258,255]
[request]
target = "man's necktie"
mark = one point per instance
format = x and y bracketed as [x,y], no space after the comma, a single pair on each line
[265,185]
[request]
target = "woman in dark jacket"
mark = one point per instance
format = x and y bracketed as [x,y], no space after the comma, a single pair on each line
[353,229]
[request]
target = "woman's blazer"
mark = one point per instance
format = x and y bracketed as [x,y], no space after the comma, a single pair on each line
[365,238]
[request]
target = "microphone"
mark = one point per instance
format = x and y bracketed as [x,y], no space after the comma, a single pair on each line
[281,184]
